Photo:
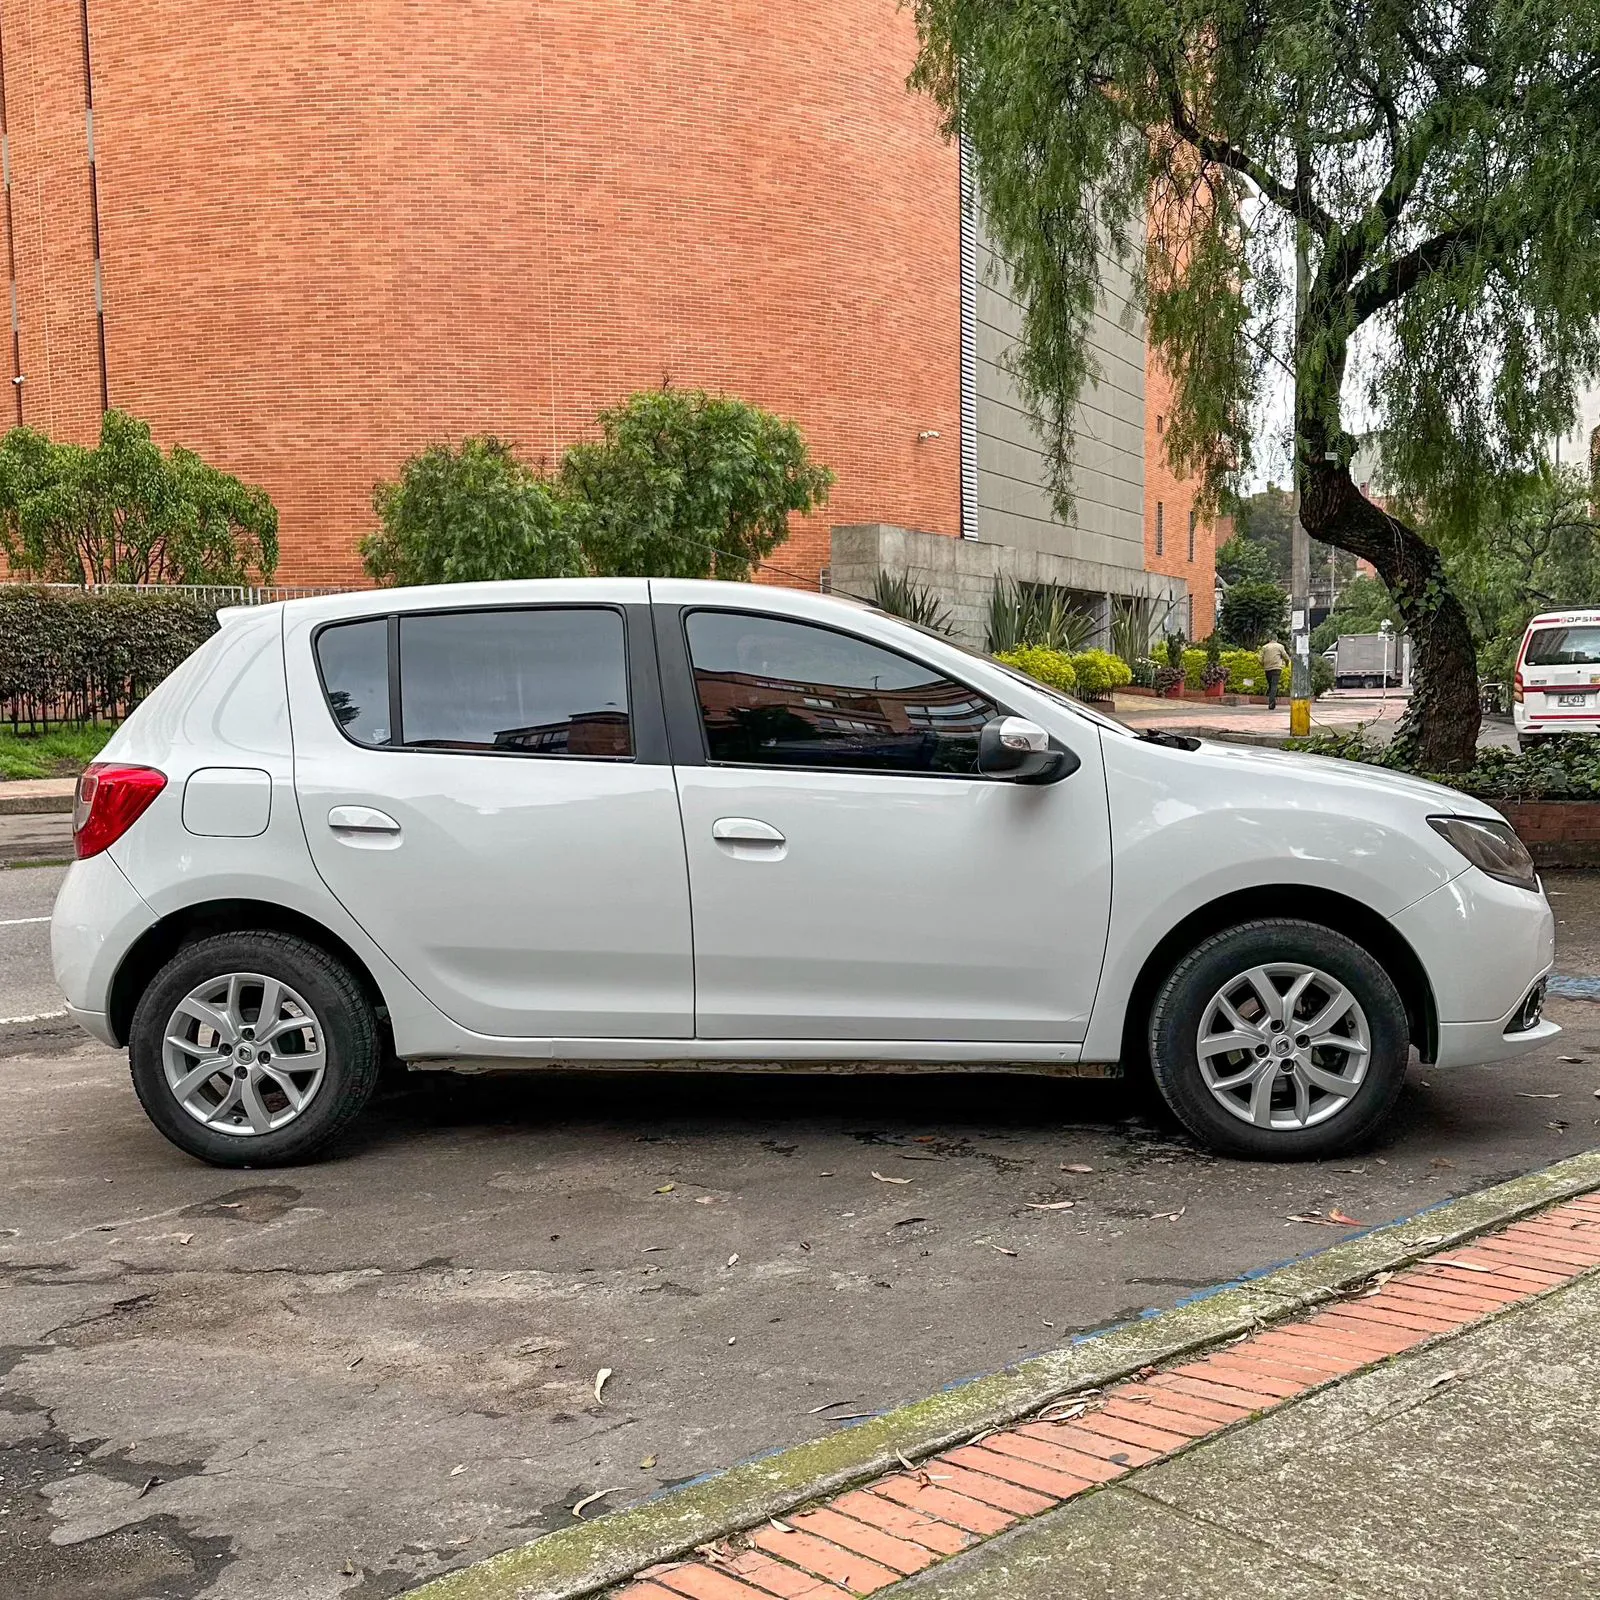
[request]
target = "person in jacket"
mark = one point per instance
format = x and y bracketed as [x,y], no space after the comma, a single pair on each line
[1274,658]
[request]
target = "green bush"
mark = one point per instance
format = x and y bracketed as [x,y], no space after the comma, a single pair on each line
[1322,676]
[1252,612]
[73,656]
[1099,673]
[1040,662]
[1564,769]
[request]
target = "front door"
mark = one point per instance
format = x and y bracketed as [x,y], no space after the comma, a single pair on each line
[502,832]
[853,876]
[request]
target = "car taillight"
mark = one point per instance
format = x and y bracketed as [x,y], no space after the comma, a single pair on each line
[1516,686]
[111,798]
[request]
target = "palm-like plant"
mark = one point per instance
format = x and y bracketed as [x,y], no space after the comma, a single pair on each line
[1023,614]
[914,602]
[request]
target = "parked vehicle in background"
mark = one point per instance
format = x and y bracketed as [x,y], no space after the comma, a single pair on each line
[1371,661]
[653,822]
[1556,686]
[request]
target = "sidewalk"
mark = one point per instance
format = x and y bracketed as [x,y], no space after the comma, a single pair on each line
[1336,712]
[1464,1470]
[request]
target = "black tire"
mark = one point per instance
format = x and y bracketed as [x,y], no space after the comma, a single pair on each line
[351,1045]
[1180,1005]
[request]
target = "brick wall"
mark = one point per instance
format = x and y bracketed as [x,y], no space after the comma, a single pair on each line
[1169,500]
[334,233]
[1558,833]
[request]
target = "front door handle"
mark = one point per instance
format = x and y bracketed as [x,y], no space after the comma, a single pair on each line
[744,830]
[361,819]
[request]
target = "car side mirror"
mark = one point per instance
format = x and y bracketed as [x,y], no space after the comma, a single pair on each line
[1015,748]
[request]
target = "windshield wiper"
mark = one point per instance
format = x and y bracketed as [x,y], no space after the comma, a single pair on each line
[1171,741]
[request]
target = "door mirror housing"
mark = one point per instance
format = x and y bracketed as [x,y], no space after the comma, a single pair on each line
[1015,748]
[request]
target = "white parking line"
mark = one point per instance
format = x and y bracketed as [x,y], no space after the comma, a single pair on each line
[21,922]
[38,1016]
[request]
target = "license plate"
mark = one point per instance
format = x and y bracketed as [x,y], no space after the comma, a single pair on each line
[1572,699]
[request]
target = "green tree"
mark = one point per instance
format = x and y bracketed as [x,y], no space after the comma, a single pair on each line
[1440,164]
[685,484]
[1252,612]
[472,513]
[1243,560]
[122,512]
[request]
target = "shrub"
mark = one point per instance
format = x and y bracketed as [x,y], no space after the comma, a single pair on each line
[1246,675]
[1564,769]
[122,512]
[1251,611]
[1322,676]
[1047,666]
[1099,673]
[903,597]
[72,656]
[471,514]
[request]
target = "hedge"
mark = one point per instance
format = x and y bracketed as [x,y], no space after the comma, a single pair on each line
[1099,672]
[70,655]
[1566,769]
[1246,675]
[1040,662]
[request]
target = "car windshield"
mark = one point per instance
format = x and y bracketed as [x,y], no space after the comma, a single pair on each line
[1071,702]
[1574,646]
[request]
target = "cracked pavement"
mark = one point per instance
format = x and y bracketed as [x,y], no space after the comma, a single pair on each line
[339,1379]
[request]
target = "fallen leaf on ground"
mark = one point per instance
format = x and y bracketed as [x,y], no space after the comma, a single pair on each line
[905,1222]
[1465,1266]
[1560,1127]
[1444,1377]
[1054,1205]
[909,1465]
[600,1380]
[458,1469]
[1313,1216]
[705,1200]
[849,1416]
[1574,1061]
[1522,1094]
[149,1484]
[1075,1166]
[1002,1249]
[1378,1282]
[781,1526]
[666,1188]
[1343,1220]
[351,1365]
[816,1411]
[1166,1216]
[589,1500]
[647,1463]
[184,1238]
[734,1339]
[881,1179]
[650,1247]
[733,1260]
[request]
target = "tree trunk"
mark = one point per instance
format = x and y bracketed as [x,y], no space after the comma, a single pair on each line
[1439,730]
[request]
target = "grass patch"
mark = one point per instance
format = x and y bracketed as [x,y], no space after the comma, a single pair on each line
[60,753]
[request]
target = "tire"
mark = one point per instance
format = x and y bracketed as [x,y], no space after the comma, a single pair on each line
[1220,1095]
[310,1073]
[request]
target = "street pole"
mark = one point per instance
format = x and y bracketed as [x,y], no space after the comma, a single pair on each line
[1299,542]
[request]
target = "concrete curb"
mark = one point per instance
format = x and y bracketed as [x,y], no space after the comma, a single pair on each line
[590,1556]
[36,797]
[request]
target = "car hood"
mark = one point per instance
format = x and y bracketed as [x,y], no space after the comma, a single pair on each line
[1358,775]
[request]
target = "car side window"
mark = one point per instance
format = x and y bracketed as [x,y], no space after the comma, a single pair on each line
[353,658]
[541,681]
[778,693]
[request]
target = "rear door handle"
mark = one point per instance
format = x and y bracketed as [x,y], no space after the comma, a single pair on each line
[361,819]
[745,830]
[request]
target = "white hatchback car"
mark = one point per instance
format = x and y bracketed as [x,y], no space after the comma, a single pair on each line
[652,822]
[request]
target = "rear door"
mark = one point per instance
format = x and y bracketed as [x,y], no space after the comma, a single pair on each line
[486,791]
[1560,671]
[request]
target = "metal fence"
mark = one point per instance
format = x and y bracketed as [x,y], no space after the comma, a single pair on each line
[211,594]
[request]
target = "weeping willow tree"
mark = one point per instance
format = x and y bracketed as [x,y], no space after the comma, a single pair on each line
[1439,164]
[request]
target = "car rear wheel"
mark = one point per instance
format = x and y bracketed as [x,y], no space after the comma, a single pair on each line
[253,1049]
[1280,1040]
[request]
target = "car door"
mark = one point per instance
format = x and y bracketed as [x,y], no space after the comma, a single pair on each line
[486,791]
[852,875]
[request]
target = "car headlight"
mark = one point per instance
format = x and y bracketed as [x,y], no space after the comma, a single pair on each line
[1492,847]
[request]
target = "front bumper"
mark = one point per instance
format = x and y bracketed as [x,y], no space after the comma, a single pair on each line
[1484,945]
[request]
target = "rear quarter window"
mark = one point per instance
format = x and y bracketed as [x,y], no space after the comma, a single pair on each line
[353,660]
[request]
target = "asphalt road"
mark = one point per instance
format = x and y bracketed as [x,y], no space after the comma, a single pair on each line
[337,1379]
[27,990]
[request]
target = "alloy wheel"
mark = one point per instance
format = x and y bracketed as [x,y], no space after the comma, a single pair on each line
[1284,1046]
[244,1054]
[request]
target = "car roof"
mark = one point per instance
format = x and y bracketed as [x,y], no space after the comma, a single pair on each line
[1576,614]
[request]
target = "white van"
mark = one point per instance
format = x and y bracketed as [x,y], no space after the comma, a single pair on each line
[1556,688]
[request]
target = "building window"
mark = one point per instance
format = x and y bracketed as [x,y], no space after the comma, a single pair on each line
[1161,423]
[1161,528]
[1191,533]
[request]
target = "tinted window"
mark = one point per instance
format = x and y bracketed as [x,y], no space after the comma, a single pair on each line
[354,658]
[1564,647]
[787,694]
[542,682]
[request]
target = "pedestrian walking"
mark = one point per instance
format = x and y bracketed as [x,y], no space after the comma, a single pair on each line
[1274,658]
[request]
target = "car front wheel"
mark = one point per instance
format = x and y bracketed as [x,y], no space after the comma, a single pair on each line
[253,1049]
[1279,1040]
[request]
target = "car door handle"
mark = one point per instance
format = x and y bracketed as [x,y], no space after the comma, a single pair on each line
[744,830]
[361,819]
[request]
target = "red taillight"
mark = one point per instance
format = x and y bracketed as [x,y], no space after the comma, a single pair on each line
[1516,686]
[111,798]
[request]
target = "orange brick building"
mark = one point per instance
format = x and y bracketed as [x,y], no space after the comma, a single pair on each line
[1178,540]
[307,239]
